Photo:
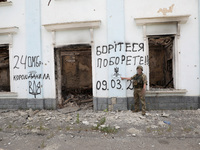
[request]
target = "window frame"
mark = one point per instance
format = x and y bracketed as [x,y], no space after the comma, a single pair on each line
[5,3]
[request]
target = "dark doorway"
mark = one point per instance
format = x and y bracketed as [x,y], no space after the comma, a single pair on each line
[161,61]
[4,69]
[76,72]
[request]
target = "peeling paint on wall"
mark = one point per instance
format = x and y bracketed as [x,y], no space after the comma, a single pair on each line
[166,10]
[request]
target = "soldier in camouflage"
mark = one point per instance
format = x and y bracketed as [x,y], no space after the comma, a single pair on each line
[139,84]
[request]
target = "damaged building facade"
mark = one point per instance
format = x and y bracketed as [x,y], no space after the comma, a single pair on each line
[51,50]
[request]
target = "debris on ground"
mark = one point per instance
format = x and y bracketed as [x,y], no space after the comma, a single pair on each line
[73,122]
[164,115]
[78,100]
[167,122]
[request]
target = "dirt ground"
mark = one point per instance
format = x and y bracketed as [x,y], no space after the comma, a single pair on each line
[73,128]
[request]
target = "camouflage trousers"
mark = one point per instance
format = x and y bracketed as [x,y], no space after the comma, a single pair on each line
[139,96]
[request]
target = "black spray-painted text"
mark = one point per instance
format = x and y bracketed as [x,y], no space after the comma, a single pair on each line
[118,47]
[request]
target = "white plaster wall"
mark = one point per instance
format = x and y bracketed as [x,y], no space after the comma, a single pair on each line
[61,11]
[189,54]
[14,15]
[188,42]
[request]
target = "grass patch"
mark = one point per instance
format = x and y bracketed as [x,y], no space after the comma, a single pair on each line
[77,118]
[42,128]
[101,122]
[59,128]
[187,130]
[50,136]
[9,126]
[67,128]
[30,127]
[105,110]
[148,130]
[108,129]
[160,131]
[1,129]
[42,145]
[16,127]
[169,129]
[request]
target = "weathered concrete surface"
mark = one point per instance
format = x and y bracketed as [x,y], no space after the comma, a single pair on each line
[13,103]
[152,102]
[60,129]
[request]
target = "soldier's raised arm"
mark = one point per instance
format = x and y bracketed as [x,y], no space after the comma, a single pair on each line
[124,78]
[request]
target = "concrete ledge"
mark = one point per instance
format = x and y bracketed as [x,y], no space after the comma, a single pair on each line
[73,25]
[152,103]
[7,30]
[166,92]
[8,3]
[8,95]
[164,19]
[11,103]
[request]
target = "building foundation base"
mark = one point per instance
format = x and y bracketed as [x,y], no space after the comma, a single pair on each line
[27,103]
[152,103]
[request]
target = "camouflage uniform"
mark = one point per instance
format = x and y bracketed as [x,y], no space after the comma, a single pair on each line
[138,83]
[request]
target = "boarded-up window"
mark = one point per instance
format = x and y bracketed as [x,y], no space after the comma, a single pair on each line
[4,68]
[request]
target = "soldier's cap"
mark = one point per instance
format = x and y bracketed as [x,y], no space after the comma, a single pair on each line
[140,67]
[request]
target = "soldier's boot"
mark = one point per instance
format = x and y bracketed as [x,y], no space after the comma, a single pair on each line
[143,113]
[136,110]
